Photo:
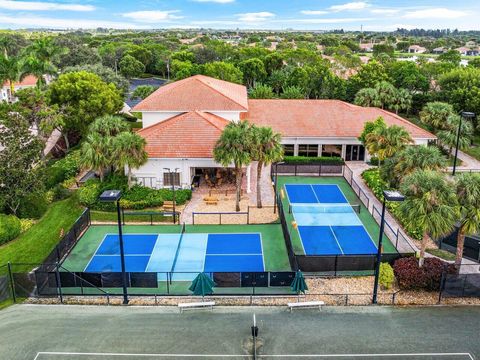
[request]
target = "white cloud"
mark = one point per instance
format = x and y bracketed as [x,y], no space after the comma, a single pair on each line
[435,13]
[384,11]
[356,5]
[256,16]
[314,12]
[42,6]
[152,16]
[216,1]
[54,23]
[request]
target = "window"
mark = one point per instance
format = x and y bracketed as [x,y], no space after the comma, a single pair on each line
[167,177]
[288,149]
[332,150]
[308,150]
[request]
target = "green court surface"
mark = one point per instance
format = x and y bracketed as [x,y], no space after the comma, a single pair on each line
[367,219]
[53,332]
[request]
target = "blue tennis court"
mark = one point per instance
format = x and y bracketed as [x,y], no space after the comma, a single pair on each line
[327,223]
[180,253]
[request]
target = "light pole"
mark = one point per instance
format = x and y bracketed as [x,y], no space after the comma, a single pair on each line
[466,115]
[114,196]
[388,195]
[275,181]
[173,189]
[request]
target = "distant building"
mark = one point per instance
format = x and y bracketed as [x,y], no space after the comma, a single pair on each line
[416,49]
[366,47]
[466,51]
[28,82]
[439,50]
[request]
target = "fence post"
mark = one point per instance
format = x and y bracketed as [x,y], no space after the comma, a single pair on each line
[442,285]
[220,219]
[320,170]
[59,285]
[123,216]
[12,285]
[248,215]
[193,218]
[393,298]
[346,299]
[295,169]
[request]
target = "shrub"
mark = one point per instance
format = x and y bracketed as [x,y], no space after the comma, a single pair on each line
[63,169]
[412,277]
[33,206]
[10,228]
[26,224]
[386,277]
[89,192]
[313,160]
[60,192]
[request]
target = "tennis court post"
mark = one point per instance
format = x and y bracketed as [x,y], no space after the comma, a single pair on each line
[275,186]
[114,196]
[393,196]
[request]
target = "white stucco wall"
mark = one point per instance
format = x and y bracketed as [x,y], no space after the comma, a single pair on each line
[229,115]
[152,117]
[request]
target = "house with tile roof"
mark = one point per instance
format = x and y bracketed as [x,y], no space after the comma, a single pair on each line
[183,120]
[28,81]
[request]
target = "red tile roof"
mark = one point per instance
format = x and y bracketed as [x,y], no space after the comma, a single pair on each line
[196,93]
[29,80]
[188,135]
[322,118]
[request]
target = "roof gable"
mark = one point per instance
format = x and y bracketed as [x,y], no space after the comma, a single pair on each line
[196,93]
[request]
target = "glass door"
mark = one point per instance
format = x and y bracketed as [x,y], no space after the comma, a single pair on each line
[355,153]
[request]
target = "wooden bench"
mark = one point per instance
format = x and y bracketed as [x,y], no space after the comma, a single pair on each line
[306,305]
[210,200]
[196,305]
[168,205]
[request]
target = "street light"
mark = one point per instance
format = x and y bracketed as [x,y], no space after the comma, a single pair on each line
[275,186]
[466,115]
[114,196]
[388,195]
[173,188]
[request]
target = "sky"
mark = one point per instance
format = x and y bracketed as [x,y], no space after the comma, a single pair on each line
[371,15]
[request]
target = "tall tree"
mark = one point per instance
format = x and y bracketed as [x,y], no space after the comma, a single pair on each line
[40,58]
[435,114]
[235,146]
[267,148]
[430,205]
[449,135]
[21,172]
[401,101]
[468,195]
[387,141]
[96,153]
[129,151]
[10,72]
[367,97]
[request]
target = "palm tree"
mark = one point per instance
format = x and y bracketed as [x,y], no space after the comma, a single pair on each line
[430,205]
[267,148]
[385,92]
[235,146]
[468,195]
[9,71]
[410,159]
[109,125]
[96,153]
[367,97]
[129,150]
[436,114]
[39,59]
[387,141]
[402,100]
[448,136]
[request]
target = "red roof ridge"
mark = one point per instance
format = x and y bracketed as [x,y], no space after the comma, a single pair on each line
[170,119]
[204,116]
[201,78]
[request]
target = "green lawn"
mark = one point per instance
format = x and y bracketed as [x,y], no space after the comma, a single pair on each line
[475,149]
[33,246]
[366,218]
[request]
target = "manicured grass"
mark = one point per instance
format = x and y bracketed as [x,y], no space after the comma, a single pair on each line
[475,149]
[275,253]
[443,254]
[366,218]
[33,246]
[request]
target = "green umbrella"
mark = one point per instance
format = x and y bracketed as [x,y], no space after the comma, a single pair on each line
[298,284]
[202,285]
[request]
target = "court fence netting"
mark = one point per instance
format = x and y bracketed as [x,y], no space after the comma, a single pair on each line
[253,216]
[471,247]
[266,288]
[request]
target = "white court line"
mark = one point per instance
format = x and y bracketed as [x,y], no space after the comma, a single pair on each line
[95,253]
[367,355]
[260,356]
[335,236]
[315,194]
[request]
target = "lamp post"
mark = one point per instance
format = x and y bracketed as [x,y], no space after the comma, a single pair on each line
[114,196]
[466,115]
[275,186]
[388,195]
[173,189]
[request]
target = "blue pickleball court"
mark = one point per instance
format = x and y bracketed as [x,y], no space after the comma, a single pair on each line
[184,254]
[327,223]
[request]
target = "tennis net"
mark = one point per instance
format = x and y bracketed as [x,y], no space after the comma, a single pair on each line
[324,209]
[182,231]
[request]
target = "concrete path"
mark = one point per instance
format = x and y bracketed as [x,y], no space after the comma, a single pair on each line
[468,162]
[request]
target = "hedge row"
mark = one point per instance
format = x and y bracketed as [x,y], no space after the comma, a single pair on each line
[313,160]
[138,197]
